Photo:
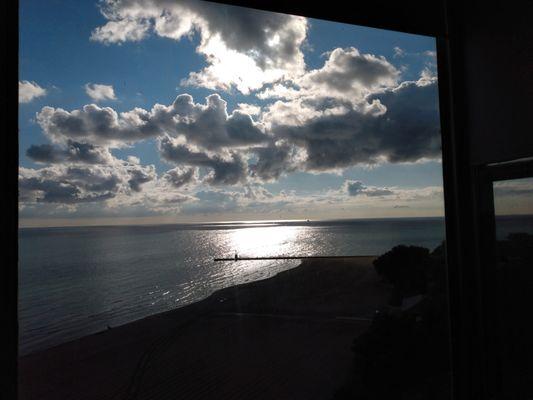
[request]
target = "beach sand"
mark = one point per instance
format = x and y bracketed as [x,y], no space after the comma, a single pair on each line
[286,337]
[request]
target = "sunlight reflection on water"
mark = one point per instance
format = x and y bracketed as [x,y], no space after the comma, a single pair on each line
[265,241]
[76,281]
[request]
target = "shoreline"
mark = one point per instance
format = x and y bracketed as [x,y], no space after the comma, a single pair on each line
[333,299]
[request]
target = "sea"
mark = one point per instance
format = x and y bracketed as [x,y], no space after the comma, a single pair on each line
[75,281]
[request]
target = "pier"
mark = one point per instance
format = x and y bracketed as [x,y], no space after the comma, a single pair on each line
[286,258]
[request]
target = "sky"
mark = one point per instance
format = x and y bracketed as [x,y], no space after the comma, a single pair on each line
[160,111]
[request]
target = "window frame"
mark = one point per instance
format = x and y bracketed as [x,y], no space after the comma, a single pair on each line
[462,254]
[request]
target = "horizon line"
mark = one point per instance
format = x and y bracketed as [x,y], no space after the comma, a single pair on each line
[228,222]
[239,222]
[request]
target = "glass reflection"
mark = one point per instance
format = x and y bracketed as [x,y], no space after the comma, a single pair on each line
[512,327]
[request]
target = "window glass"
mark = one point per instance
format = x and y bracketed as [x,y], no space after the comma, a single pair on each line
[221,202]
[513,204]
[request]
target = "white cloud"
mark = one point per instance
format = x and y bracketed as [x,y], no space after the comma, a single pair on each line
[249,109]
[99,92]
[347,74]
[398,52]
[29,91]
[244,48]
[207,125]
[351,111]
[124,30]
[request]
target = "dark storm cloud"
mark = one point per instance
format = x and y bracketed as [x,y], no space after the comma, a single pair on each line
[225,171]
[73,152]
[207,125]
[407,131]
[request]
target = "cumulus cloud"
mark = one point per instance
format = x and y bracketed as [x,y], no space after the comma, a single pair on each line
[181,176]
[391,124]
[99,92]
[139,174]
[348,71]
[358,188]
[244,48]
[73,152]
[122,30]
[347,75]
[399,124]
[207,125]
[29,91]
[275,160]
[352,110]
[78,183]
[67,185]
[249,109]
[228,170]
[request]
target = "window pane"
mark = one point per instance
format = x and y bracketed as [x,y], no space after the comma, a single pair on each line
[220,202]
[513,202]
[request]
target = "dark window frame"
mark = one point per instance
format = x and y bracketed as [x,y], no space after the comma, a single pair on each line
[486,176]
[437,19]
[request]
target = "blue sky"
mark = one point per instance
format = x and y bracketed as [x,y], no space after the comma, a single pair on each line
[382,82]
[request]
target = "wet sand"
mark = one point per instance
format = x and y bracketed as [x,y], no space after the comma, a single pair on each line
[286,337]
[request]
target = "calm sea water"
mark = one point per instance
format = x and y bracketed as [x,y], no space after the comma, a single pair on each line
[78,280]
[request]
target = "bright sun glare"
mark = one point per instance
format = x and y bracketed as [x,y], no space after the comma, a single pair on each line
[264,241]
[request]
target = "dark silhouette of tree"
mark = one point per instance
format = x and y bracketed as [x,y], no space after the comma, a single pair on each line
[406,268]
[405,355]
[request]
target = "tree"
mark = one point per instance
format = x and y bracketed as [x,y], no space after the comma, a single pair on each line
[406,268]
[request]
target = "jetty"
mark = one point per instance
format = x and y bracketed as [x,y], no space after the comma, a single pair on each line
[237,258]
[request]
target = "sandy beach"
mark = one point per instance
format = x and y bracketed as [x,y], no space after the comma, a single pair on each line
[286,337]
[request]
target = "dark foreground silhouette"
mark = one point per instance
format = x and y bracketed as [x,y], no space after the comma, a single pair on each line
[405,352]
[287,337]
